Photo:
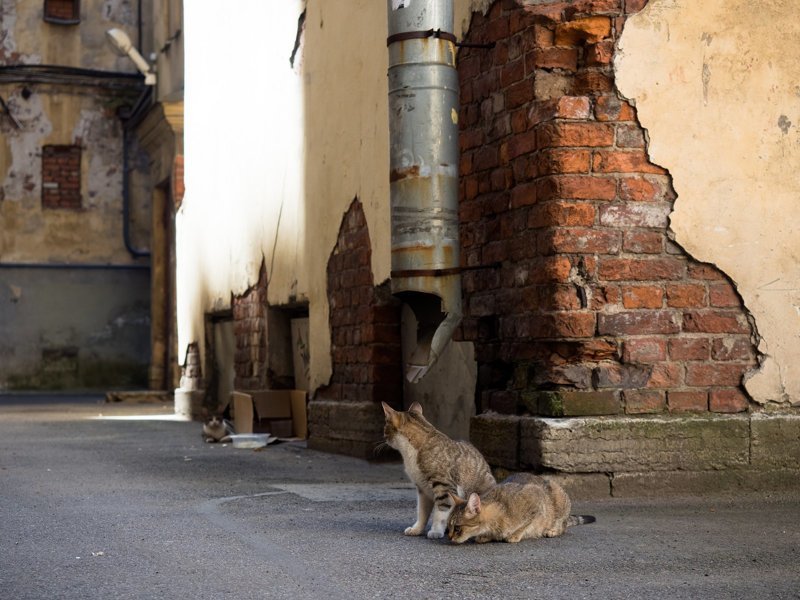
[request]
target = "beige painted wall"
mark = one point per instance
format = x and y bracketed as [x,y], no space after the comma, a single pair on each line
[275,154]
[717,86]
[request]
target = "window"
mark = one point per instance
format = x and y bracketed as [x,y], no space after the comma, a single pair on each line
[65,12]
[61,177]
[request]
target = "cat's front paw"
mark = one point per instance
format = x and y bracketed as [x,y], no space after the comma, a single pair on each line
[435,535]
[413,530]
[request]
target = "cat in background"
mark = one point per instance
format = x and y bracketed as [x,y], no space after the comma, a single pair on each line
[524,506]
[217,430]
[440,467]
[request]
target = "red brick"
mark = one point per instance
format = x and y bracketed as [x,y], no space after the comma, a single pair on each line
[645,350]
[640,322]
[689,349]
[562,297]
[611,108]
[497,29]
[723,295]
[716,374]
[599,54]
[625,161]
[519,20]
[573,107]
[552,58]
[640,269]
[666,375]
[709,321]
[642,296]
[561,213]
[593,82]
[576,187]
[589,29]
[470,139]
[738,348]
[543,35]
[563,160]
[630,135]
[640,189]
[643,401]
[524,194]
[486,158]
[650,214]
[564,107]
[704,272]
[571,324]
[519,93]
[686,295]
[512,72]
[517,145]
[557,134]
[580,241]
[727,401]
[643,242]
[687,401]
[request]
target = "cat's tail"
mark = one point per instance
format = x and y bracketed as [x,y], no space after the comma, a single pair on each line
[580,520]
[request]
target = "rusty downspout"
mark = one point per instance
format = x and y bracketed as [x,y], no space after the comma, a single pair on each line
[423,163]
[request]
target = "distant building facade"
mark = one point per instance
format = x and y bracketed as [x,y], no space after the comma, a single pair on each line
[76,193]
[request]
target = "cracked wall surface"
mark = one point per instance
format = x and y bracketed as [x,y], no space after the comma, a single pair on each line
[719,94]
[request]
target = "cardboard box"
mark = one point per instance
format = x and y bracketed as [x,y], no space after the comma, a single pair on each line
[265,410]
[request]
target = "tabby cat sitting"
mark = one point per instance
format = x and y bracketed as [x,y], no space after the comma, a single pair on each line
[440,467]
[524,506]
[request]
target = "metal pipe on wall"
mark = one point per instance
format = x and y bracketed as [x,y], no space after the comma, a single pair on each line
[423,172]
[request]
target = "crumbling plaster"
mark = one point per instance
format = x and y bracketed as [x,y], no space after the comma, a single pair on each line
[301,155]
[30,233]
[717,86]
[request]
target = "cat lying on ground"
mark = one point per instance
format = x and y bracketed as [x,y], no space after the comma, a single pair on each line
[440,467]
[523,506]
[217,430]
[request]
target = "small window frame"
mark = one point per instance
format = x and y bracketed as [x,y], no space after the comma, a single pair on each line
[51,6]
[60,161]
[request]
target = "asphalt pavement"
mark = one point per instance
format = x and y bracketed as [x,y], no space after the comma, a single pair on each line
[124,501]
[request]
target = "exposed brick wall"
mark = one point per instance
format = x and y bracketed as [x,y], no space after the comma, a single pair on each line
[364,321]
[61,176]
[250,332]
[571,281]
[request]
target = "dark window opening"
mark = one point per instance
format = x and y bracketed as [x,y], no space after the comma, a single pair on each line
[61,177]
[62,12]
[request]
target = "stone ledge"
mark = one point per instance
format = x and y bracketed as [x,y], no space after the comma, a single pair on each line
[635,444]
[703,447]
[675,483]
[351,428]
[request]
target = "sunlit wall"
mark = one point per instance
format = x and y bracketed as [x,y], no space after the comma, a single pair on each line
[244,163]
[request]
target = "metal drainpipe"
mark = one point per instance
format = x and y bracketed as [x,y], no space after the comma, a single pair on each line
[423,163]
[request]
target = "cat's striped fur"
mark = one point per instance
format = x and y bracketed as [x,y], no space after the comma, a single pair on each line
[440,467]
[523,506]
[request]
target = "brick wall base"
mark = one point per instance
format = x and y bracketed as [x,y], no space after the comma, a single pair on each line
[652,455]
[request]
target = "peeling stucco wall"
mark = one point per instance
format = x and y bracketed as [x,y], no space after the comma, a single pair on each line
[314,138]
[717,86]
[70,291]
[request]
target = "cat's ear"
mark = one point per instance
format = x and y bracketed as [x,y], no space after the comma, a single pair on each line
[456,500]
[416,408]
[474,504]
[388,410]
